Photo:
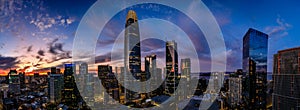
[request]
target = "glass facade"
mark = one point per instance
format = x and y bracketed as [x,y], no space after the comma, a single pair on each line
[132,45]
[255,51]
[171,67]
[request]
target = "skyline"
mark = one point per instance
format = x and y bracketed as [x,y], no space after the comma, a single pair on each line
[39,37]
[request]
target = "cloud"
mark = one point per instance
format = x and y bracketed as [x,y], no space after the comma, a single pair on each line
[54,47]
[41,53]
[8,62]
[29,49]
[280,30]
[57,50]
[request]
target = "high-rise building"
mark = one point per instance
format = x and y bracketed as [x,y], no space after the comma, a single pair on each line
[150,68]
[109,82]
[235,91]
[185,68]
[70,95]
[132,50]
[171,67]
[150,71]
[22,80]
[83,68]
[255,50]
[88,87]
[14,82]
[286,75]
[56,85]
[132,53]
[120,71]
[80,78]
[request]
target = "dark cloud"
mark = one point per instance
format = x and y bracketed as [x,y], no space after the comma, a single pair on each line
[57,50]
[23,69]
[41,53]
[29,49]
[8,62]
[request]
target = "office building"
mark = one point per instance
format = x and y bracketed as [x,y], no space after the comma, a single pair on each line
[255,51]
[171,68]
[55,86]
[235,91]
[132,51]
[14,82]
[286,76]
[70,94]
[185,69]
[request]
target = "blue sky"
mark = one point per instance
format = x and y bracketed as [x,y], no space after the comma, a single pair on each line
[39,34]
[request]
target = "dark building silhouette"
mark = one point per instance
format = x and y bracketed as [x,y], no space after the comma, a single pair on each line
[171,67]
[14,82]
[70,94]
[255,50]
[22,80]
[150,68]
[286,75]
[109,82]
[150,71]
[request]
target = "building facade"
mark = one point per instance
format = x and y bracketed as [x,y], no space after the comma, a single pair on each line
[14,82]
[235,91]
[132,50]
[56,85]
[255,51]
[171,68]
[286,76]
[70,94]
[185,69]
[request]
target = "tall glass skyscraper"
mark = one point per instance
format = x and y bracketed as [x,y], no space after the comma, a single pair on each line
[132,51]
[171,67]
[255,50]
[286,75]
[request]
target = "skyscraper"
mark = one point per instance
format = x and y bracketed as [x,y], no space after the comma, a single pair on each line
[109,82]
[255,50]
[171,67]
[132,51]
[150,67]
[185,68]
[235,90]
[14,82]
[71,96]
[150,71]
[83,68]
[55,84]
[286,75]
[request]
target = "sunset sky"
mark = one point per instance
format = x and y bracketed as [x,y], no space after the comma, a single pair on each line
[39,34]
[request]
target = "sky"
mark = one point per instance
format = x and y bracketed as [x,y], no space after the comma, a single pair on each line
[38,34]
